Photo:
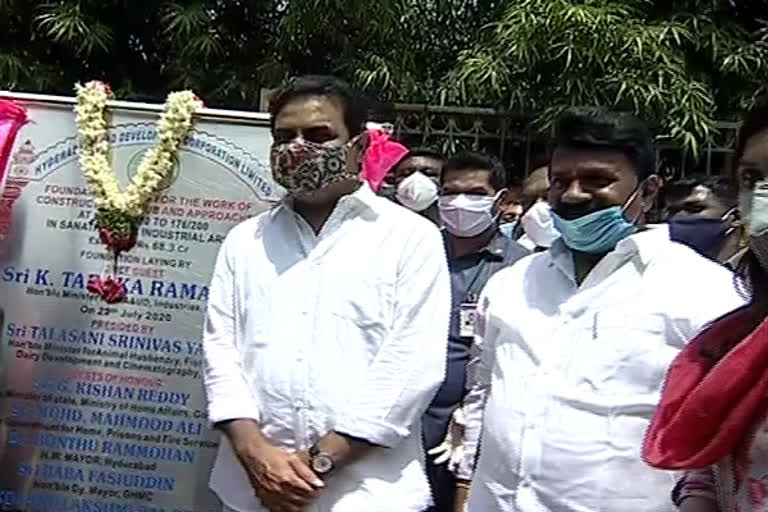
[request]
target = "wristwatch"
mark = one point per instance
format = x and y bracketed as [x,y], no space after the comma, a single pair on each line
[321,463]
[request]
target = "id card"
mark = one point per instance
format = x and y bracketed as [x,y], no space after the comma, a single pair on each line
[467,319]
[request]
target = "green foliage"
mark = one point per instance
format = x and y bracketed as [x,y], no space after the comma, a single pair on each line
[143,49]
[679,63]
[680,66]
[411,60]
[227,49]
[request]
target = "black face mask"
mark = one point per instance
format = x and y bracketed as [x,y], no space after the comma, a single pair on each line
[705,236]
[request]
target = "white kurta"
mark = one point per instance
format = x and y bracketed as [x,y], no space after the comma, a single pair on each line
[572,374]
[341,331]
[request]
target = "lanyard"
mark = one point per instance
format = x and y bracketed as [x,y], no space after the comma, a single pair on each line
[483,270]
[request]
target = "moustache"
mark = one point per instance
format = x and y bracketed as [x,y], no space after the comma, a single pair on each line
[574,211]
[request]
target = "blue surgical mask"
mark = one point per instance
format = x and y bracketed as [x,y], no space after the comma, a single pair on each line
[597,232]
[508,229]
[705,236]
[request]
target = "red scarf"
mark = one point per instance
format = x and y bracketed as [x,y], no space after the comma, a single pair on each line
[711,404]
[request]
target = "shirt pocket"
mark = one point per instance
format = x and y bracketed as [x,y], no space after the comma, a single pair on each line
[623,353]
[365,303]
[357,325]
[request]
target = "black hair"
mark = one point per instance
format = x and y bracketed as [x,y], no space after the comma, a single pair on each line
[754,277]
[750,277]
[597,127]
[355,109]
[755,121]
[425,152]
[723,187]
[420,151]
[470,161]
[538,161]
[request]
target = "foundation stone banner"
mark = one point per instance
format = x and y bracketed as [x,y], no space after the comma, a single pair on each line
[102,406]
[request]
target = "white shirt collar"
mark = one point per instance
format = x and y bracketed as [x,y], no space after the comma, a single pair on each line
[363,196]
[285,301]
[645,244]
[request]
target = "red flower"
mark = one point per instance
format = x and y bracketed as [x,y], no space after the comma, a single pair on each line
[109,289]
[105,85]
[117,243]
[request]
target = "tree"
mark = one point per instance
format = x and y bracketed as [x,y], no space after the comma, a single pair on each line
[401,49]
[680,64]
[227,49]
[215,47]
[411,61]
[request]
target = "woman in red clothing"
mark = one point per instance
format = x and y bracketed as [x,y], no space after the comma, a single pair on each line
[713,418]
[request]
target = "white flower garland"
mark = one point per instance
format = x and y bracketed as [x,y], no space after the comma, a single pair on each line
[173,127]
[120,213]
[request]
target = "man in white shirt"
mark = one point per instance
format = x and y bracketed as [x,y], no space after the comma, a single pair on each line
[326,328]
[575,341]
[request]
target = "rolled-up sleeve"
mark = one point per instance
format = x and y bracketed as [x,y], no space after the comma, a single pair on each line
[478,384]
[228,393]
[410,365]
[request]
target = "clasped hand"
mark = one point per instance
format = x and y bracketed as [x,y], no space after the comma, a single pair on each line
[283,481]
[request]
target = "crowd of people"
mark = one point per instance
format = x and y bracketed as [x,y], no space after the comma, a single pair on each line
[409,335]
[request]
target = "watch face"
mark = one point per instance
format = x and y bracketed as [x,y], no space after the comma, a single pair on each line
[322,464]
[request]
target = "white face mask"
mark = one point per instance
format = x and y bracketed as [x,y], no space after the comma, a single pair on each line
[417,192]
[756,209]
[465,215]
[537,224]
[757,206]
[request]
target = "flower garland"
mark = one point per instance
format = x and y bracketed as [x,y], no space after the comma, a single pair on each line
[118,213]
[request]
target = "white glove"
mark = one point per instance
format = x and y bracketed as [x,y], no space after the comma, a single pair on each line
[451,450]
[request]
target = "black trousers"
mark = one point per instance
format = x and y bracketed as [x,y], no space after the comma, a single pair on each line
[443,485]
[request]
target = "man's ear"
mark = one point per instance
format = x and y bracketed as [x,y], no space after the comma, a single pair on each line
[735,220]
[501,200]
[650,189]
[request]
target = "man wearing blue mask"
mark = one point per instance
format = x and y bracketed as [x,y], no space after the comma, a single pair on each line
[702,213]
[574,342]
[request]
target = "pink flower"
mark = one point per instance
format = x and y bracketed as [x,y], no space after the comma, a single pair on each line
[109,289]
[105,86]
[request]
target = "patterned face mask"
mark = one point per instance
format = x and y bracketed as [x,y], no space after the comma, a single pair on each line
[304,166]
